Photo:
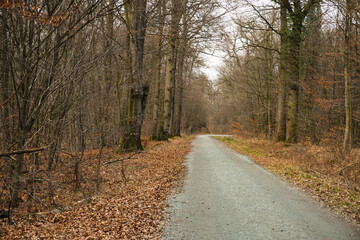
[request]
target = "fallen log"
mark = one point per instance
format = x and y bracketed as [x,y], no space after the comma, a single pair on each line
[22,151]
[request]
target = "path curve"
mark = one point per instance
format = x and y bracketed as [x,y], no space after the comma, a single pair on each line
[227,196]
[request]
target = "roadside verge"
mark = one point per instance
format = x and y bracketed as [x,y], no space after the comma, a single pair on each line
[313,169]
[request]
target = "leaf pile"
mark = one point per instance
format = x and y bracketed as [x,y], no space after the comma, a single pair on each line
[329,175]
[131,209]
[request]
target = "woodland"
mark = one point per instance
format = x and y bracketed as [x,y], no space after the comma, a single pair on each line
[87,87]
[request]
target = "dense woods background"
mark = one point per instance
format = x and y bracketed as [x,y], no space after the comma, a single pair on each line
[82,75]
[292,71]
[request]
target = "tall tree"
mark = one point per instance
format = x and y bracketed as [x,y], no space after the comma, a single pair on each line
[135,15]
[282,86]
[347,76]
[4,82]
[161,10]
[310,71]
[176,14]
[297,13]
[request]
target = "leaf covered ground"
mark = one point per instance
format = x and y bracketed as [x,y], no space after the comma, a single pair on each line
[331,176]
[124,209]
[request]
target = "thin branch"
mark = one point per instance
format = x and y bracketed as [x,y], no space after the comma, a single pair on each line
[263,18]
[263,47]
[122,159]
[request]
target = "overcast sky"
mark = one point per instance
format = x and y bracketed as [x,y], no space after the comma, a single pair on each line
[212,65]
[214,60]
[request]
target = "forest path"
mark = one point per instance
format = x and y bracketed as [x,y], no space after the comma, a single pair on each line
[227,196]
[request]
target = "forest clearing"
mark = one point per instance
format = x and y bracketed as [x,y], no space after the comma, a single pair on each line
[95,94]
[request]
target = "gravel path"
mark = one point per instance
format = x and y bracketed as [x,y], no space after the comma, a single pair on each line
[226,196]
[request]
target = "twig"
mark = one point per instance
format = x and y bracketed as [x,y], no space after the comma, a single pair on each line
[340,172]
[122,164]
[122,159]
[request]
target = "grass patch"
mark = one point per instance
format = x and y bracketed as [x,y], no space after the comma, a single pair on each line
[227,139]
[306,176]
[238,145]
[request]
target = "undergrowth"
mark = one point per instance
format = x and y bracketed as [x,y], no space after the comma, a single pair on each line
[130,203]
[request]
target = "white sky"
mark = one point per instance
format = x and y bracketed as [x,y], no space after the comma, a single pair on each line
[213,63]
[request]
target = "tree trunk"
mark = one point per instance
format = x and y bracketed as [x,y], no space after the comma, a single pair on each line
[16,175]
[177,129]
[170,70]
[4,84]
[138,91]
[348,113]
[157,109]
[294,72]
[169,85]
[281,105]
[173,94]
[181,64]
[269,64]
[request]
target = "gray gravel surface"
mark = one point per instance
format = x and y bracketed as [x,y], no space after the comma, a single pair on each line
[227,196]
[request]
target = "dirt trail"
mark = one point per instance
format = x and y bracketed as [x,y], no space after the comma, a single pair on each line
[226,196]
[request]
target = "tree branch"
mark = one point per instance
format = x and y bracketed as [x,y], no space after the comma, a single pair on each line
[308,6]
[263,18]
[22,151]
[287,5]
[122,159]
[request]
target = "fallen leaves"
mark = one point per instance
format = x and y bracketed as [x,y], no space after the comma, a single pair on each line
[132,209]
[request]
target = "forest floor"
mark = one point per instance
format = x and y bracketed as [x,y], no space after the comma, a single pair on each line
[331,176]
[124,209]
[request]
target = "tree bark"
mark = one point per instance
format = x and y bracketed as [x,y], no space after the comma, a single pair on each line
[4,83]
[138,91]
[281,105]
[156,108]
[181,63]
[176,14]
[268,85]
[174,92]
[297,17]
[348,113]
[179,102]
[297,14]
[169,85]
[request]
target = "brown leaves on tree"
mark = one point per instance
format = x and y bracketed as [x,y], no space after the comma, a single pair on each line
[132,209]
